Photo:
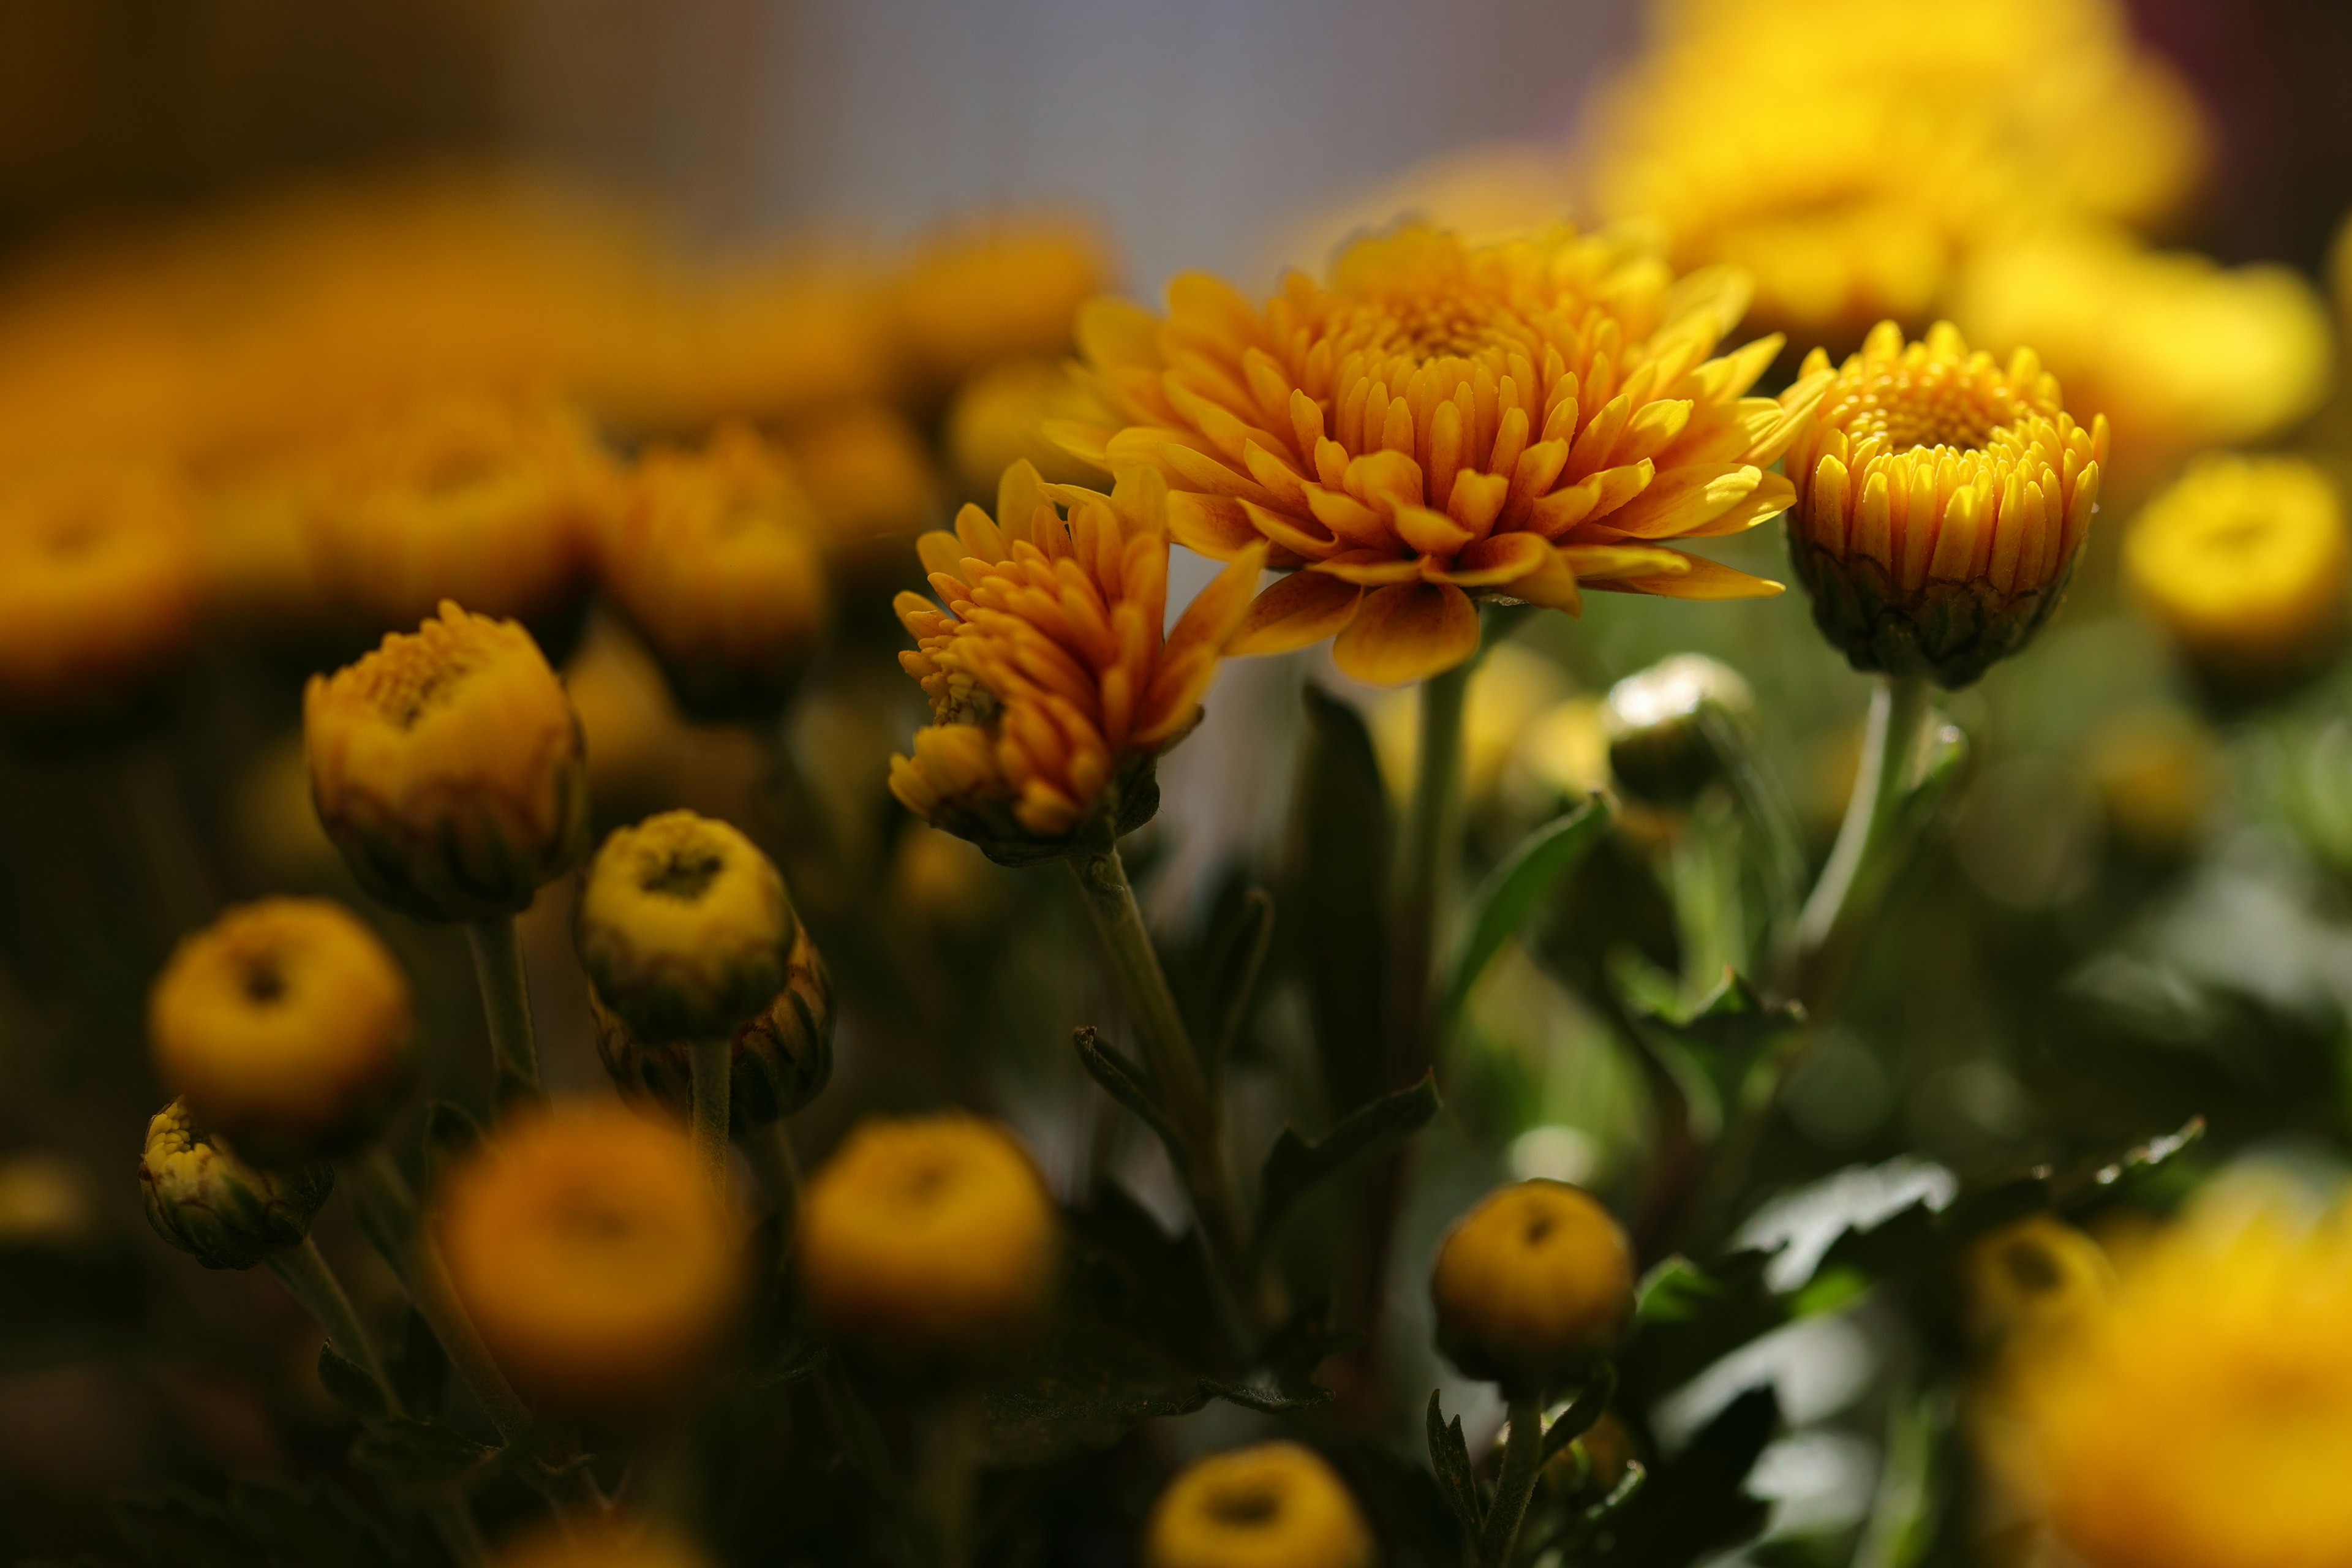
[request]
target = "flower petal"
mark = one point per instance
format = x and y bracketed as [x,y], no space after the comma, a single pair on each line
[1302,608]
[1699,579]
[1408,633]
[1372,568]
[1430,532]
[1213,526]
[1499,558]
[1685,499]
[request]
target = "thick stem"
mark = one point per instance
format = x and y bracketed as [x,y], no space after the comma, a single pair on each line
[1175,1065]
[1429,855]
[1840,901]
[506,1001]
[304,1271]
[952,1468]
[1522,1462]
[713,1063]
[777,1169]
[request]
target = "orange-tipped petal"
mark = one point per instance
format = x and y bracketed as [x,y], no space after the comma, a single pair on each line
[1302,608]
[1408,633]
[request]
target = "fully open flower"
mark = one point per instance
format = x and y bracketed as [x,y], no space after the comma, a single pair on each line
[446,767]
[1942,500]
[1443,420]
[284,1026]
[713,556]
[1273,1505]
[592,1256]
[1052,687]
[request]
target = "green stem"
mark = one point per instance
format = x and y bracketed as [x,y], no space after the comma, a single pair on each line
[1430,852]
[952,1466]
[713,1063]
[778,1169]
[1522,1462]
[1175,1064]
[506,1001]
[1844,901]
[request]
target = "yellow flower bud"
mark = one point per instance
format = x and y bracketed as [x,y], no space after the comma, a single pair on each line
[1657,748]
[101,587]
[490,501]
[869,472]
[2242,563]
[446,767]
[713,556]
[1532,1284]
[212,1206]
[781,1055]
[608,1543]
[1941,502]
[998,419]
[928,1233]
[1274,1505]
[592,1256]
[2036,1275]
[284,1026]
[685,927]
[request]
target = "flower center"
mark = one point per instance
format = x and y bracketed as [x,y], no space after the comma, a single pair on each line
[684,874]
[1245,1508]
[1928,407]
[264,981]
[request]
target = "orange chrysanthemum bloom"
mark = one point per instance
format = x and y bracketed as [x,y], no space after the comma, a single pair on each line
[1051,686]
[1944,500]
[1515,419]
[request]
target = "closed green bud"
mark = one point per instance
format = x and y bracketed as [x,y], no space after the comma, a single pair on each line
[1657,722]
[214,1207]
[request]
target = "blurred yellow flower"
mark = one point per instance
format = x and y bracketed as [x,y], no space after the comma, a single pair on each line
[2037,1275]
[1273,1505]
[998,288]
[596,1264]
[930,1233]
[2242,563]
[1531,1284]
[214,1207]
[446,767]
[284,1026]
[2202,1418]
[1445,419]
[1052,687]
[2158,773]
[102,584]
[1942,501]
[684,928]
[2179,353]
[997,418]
[492,501]
[608,1543]
[1916,130]
[943,880]
[713,557]
[868,474]
[629,724]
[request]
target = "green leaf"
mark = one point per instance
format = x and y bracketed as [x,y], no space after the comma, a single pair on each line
[420,1370]
[1591,1403]
[1238,960]
[1126,1083]
[1696,1503]
[414,1452]
[1085,1387]
[1512,890]
[1339,883]
[1449,1456]
[1295,1165]
[349,1384]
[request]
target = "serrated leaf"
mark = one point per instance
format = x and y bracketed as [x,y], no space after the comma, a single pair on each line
[349,1384]
[414,1452]
[1296,1165]
[1513,890]
[1339,883]
[1449,1456]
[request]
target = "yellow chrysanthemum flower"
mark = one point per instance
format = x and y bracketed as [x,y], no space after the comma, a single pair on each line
[492,501]
[1274,1505]
[930,1233]
[2179,353]
[446,767]
[1531,1284]
[999,289]
[1052,687]
[2202,1418]
[2243,563]
[102,584]
[1942,500]
[997,418]
[685,927]
[713,557]
[599,1268]
[284,1026]
[1443,419]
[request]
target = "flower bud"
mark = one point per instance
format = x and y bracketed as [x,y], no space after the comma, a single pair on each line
[447,766]
[1659,749]
[2242,563]
[685,927]
[605,1543]
[1273,1505]
[2037,1274]
[1531,1285]
[214,1207]
[592,1256]
[713,557]
[781,1055]
[284,1026]
[928,1233]
[101,587]
[1941,503]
